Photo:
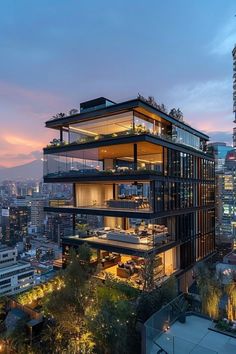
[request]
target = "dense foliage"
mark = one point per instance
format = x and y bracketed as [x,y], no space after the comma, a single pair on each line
[87,316]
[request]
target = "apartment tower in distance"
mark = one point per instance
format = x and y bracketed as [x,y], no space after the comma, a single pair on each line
[234,93]
[143,186]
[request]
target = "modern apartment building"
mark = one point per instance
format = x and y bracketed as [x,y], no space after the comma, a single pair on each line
[15,276]
[143,186]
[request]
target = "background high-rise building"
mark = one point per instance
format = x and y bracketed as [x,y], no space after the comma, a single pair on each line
[37,215]
[234,93]
[225,167]
[14,222]
[58,226]
[220,151]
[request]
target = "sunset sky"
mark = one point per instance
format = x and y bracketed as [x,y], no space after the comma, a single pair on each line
[57,53]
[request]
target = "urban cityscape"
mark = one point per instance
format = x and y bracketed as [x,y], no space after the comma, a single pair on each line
[118,213]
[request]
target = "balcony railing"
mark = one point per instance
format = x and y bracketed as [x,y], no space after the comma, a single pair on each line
[95,172]
[156,236]
[130,132]
[138,204]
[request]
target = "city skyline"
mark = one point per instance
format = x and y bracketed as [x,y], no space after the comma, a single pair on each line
[59,54]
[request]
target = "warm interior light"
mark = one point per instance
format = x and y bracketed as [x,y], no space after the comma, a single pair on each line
[84,131]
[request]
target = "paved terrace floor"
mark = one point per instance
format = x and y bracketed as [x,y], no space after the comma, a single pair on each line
[194,337]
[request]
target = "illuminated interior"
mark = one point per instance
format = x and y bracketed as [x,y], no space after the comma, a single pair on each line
[131,122]
[129,233]
[108,158]
[125,195]
[133,268]
[115,124]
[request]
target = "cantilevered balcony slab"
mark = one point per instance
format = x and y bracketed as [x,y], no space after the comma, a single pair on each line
[92,175]
[117,246]
[103,211]
[162,140]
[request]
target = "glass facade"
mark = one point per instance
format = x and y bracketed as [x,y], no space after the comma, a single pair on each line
[136,196]
[182,136]
[121,158]
[96,129]
[126,124]
[180,195]
[187,165]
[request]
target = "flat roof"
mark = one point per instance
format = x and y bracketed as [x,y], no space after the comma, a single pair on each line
[120,107]
[195,337]
[17,266]
[6,248]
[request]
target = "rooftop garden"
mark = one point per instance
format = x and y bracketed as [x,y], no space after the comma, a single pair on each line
[87,316]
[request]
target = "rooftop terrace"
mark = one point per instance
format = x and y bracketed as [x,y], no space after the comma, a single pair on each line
[195,337]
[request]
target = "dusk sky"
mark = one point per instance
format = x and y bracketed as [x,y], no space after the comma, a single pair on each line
[57,53]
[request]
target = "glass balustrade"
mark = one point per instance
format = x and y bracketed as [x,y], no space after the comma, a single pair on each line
[112,159]
[126,124]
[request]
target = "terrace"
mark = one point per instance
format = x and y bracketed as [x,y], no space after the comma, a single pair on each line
[120,160]
[134,122]
[171,331]
[109,196]
[128,263]
[131,269]
[124,234]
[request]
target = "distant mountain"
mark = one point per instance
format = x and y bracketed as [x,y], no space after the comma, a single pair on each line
[31,170]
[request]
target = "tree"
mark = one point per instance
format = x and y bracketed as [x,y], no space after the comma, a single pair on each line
[73,111]
[86,343]
[59,115]
[210,291]
[230,290]
[147,273]
[152,301]
[52,339]
[67,304]
[176,113]
[162,108]
[17,340]
[112,321]
[151,100]
[85,253]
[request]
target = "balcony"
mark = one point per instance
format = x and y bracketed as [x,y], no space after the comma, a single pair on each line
[140,237]
[123,125]
[140,205]
[56,143]
[126,261]
[109,196]
[114,160]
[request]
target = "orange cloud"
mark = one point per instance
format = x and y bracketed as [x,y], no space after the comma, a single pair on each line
[15,140]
